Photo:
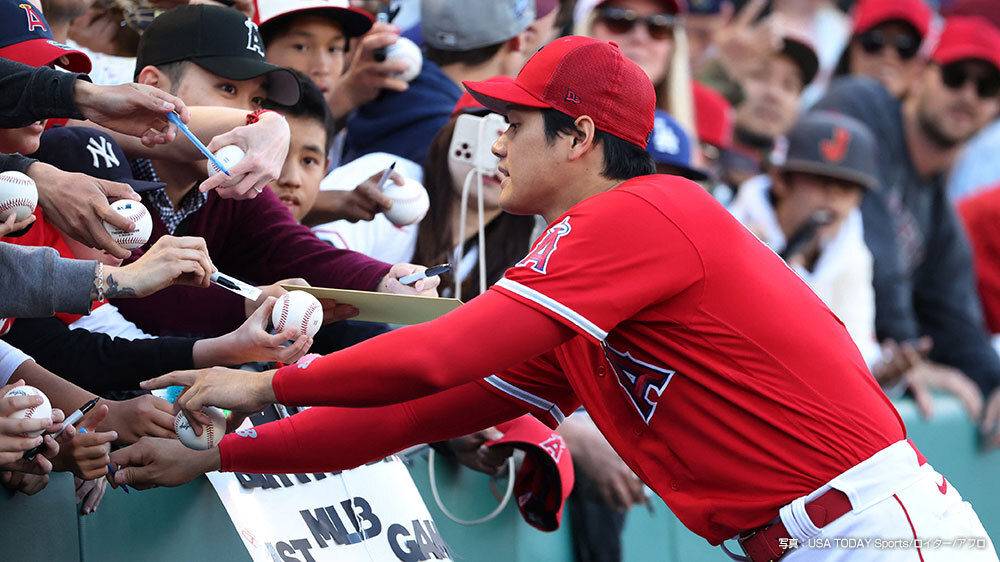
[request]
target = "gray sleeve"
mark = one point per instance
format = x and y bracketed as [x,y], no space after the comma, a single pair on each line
[36,282]
[15,163]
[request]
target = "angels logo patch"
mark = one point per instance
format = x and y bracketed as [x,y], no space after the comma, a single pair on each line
[554,445]
[541,253]
[643,383]
[34,21]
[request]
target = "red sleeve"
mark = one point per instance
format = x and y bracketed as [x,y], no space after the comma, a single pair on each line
[485,336]
[605,260]
[540,386]
[326,439]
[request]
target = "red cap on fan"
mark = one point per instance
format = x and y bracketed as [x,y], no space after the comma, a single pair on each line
[580,76]
[546,477]
[469,103]
[968,37]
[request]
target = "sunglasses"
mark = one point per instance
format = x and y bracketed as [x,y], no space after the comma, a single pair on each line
[955,76]
[874,40]
[621,21]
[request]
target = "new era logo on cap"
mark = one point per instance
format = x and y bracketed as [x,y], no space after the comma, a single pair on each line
[572,96]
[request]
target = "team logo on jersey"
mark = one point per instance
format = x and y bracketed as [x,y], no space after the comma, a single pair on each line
[835,149]
[254,42]
[538,258]
[34,20]
[643,383]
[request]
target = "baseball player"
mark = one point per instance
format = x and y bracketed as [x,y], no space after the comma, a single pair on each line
[714,371]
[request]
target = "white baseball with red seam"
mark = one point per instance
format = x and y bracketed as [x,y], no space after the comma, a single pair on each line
[229,156]
[409,202]
[18,195]
[43,410]
[408,51]
[299,310]
[210,434]
[137,213]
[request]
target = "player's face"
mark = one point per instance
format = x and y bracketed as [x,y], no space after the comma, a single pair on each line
[772,92]
[800,195]
[24,140]
[313,45]
[951,106]
[650,50]
[888,53]
[198,86]
[304,168]
[526,164]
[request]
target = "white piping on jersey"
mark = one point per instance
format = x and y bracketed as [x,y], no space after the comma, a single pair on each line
[525,396]
[555,306]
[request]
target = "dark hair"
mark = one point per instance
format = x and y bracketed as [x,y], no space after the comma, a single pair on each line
[274,28]
[174,71]
[622,159]
[471,57]
[508,237]
[312,105]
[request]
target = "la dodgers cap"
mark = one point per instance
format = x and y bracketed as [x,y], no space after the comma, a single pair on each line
[25,37]
[354,22]
[221,40]
[867,14]
[580,76]
[470,24]
[91,152]
[968,37]
[546,476]
[672,146]
[833,145]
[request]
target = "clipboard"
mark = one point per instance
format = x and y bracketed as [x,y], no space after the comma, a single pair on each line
[388,308]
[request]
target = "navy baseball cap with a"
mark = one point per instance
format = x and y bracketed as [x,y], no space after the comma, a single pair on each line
[221,40]
[25,37]
[89,151]
[670,145]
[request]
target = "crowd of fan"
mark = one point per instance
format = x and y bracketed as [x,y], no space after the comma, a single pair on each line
[855,139]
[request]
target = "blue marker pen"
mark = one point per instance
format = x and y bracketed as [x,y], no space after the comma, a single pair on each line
[176,120]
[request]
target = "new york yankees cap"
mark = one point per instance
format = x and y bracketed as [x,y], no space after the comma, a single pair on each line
[832,145]
[580,76]
[470,24]
[25,37]
[221,40]
[89,151]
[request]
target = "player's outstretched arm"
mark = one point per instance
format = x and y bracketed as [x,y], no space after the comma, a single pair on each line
[304,442]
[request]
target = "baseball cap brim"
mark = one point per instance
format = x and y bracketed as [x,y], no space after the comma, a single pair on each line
[831,171]
[354,22]
[140,186]
[282,87]
[499,96]
[43,52]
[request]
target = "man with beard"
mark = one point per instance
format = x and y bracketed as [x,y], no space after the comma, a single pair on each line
[924,283]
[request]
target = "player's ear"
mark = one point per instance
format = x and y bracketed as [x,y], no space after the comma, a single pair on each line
[582,139]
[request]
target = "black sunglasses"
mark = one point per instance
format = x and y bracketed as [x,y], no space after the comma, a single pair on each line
[621,21]
[874,40]
[955,76]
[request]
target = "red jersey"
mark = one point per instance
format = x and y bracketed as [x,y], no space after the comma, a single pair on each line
[981,215]
[712,369]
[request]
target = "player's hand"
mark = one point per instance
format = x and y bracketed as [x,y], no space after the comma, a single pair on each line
[77,204]
[90,493]
[86,454]
[990,427]
[426,287]
[251,342]
[265,144]
[615,482]
[138,110]
[332,312]
[471,451]
[161,462]
[364,77]
[171,260]
[360,204]
[138,417]
[14,225]
[241,391]
[927,377]
[27,484]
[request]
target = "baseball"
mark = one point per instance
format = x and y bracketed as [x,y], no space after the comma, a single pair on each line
[299,310]
[409,202]
[210,434]
[44,410]
[18,195]
[405,50]
[138,214]
[229,156]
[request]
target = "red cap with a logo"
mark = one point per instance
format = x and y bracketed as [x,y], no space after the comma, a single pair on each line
[580,76]
[25,37]
[968,37]
[870,13]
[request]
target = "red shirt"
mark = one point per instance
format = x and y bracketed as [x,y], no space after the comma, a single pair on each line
[981,215]
[719,377]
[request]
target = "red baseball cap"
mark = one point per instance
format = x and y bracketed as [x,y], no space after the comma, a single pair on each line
[469,103]
[869,13]
[546,477]
[968,37]
[25,37]
[713,115]
[580,76]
